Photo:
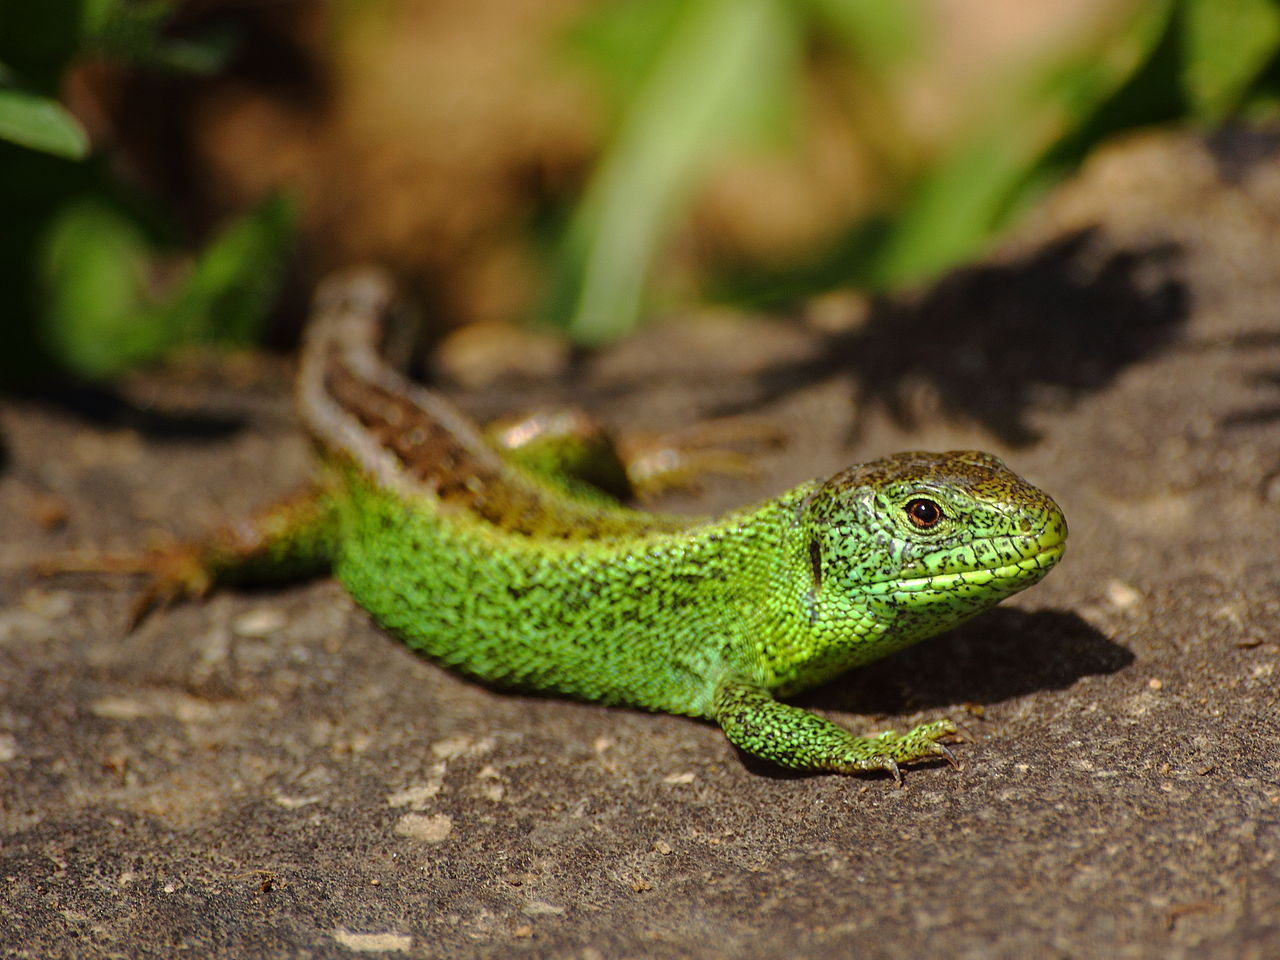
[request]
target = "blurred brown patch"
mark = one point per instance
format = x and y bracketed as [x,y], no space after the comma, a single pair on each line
[443,137]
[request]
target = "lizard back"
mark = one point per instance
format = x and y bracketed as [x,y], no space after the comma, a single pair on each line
[412,441]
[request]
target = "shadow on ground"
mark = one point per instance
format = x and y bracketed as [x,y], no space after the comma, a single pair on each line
[106,408]
[990,343]
[1004,654]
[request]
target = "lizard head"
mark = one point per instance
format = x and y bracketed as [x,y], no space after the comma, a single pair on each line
[932,538]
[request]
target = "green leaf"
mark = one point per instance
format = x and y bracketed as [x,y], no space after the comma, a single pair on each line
[1053,117]
[1227,44]
[95,261]
[881,35]
[204,55]
[133,31]
[622,42]
[235,279]
[716,78]
[103,317]
[41,123]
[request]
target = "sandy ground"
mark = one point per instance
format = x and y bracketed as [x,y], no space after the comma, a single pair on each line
[267,774]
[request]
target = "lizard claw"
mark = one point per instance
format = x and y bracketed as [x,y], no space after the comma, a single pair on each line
[174,572]
[892,766]
[947,754]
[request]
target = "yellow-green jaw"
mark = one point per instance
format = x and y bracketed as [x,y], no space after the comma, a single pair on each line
[908,546]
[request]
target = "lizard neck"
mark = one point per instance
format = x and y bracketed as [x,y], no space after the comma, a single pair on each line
[411,442]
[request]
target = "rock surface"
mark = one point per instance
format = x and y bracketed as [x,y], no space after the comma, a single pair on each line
[267,774]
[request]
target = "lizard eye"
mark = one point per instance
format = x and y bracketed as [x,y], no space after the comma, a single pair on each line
[924,513]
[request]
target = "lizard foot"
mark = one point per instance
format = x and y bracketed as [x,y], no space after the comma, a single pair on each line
[885,751]
[659,463]
[792,737]
[172,572]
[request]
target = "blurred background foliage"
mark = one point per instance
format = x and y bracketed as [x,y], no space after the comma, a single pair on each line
[98,274]
[179,173]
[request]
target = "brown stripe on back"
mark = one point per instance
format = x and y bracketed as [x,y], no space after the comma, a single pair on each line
[464,478]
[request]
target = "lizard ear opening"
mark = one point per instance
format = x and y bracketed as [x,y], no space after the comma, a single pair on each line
[815,560]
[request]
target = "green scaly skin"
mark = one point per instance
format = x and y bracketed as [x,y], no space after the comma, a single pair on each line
[518,583]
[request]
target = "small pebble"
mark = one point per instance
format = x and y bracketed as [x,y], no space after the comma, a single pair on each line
[260,624]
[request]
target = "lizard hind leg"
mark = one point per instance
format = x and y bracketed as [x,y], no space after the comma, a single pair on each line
[575,453]
[289,540]
[793,737]
[567,449]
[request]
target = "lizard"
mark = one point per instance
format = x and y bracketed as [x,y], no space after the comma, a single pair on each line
[485,566]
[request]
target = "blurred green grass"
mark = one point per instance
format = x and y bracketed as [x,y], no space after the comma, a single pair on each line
[1172,61]
[101,278]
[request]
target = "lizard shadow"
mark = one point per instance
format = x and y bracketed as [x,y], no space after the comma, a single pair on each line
[107,408]
[1003,654]
[991,343]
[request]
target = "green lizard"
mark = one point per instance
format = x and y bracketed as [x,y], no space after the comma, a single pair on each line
[479,563]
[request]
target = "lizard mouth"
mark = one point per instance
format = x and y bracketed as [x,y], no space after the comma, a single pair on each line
[1011,576]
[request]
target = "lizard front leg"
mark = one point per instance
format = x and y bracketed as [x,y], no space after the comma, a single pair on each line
[793,737]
